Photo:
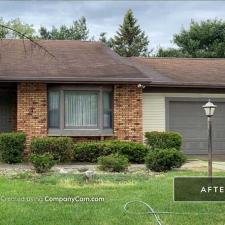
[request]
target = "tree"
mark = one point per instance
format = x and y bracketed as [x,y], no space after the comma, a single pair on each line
[105,40]
[205,39]
[20,28]
[130,40]
[170,52]
[24,36]
[3,31]
[17,28]
[78,31]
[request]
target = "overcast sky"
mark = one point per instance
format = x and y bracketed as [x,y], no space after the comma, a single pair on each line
[159,19]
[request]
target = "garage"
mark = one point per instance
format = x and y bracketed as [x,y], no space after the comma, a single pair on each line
[173,100]
[187,117]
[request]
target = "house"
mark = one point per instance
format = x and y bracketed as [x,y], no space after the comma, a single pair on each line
[173,100]
[88,92]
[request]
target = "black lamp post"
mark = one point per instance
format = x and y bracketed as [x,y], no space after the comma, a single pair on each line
[209,108]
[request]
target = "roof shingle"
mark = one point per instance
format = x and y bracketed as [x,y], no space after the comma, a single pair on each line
[75,61]
[182,71]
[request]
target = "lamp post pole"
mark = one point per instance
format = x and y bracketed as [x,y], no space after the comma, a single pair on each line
[209,108]
[209,146]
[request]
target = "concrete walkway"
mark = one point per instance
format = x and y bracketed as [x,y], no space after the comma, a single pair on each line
[62,168]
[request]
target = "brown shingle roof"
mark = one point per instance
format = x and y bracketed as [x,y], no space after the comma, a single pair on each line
[75,61]
[182,71]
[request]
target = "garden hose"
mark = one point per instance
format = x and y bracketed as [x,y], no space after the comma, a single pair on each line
[152,212]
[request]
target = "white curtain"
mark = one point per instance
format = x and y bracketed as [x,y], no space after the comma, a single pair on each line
[81,109]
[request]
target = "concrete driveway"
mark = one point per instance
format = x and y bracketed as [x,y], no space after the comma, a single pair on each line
[202,165]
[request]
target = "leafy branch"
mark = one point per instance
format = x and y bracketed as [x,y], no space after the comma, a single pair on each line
[24,36]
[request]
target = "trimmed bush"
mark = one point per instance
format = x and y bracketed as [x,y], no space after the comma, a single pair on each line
[113,163]
[135,152]
[12,147]
[42,162]
[60,147]
[90,151]
[163,140]
[164,159]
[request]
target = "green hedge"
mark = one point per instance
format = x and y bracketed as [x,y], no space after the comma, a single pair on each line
[43,162]
[113,163]
[12,147]
[90,151]
[163,140]
[164,159]
[60,147]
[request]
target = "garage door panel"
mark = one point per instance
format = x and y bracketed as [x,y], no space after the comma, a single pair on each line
[187,118]
[194,146]
[190,134]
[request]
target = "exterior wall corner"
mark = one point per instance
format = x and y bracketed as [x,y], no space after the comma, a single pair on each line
[32,109]
[128,114]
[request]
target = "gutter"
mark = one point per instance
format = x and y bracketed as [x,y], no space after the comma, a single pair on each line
[80,81]
[187,85]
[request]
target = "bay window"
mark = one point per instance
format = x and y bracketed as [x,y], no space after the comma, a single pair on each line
[80,111]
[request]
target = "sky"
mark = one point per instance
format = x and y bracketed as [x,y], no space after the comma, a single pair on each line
[159,19]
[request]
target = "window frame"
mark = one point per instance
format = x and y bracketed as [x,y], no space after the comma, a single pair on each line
[81,131]
[111,110]
[48,116]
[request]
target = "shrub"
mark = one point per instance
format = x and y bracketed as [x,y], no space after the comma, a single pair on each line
[42,162]
[135,152]
[164,159]
[12,147]
[163,140]
[60,147]
[113,163]
[90,151]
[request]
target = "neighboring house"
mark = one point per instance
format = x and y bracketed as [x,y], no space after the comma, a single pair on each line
[90,93]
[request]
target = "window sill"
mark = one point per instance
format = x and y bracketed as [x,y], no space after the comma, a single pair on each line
[80,132]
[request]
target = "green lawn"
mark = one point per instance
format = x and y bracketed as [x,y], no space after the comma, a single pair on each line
[116,189]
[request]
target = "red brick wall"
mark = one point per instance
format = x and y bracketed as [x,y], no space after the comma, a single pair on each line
[32,112]
[32,109]
[128,112]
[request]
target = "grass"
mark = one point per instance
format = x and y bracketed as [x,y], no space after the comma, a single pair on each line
[116,189]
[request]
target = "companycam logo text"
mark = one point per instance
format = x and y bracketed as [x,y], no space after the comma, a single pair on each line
[60,199]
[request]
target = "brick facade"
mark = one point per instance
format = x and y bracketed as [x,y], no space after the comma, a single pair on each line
[32,109]
[128,113]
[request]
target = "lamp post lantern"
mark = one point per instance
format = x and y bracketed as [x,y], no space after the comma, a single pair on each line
[209,108]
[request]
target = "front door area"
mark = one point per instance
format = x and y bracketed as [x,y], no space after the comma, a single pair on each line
[7,108]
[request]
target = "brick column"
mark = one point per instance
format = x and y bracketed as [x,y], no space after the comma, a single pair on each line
[128,113]
[32,109]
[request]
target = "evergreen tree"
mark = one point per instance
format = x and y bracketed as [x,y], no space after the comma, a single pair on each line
[130,40]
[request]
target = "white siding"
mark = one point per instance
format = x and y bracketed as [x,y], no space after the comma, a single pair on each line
[154,118]
[153,112]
